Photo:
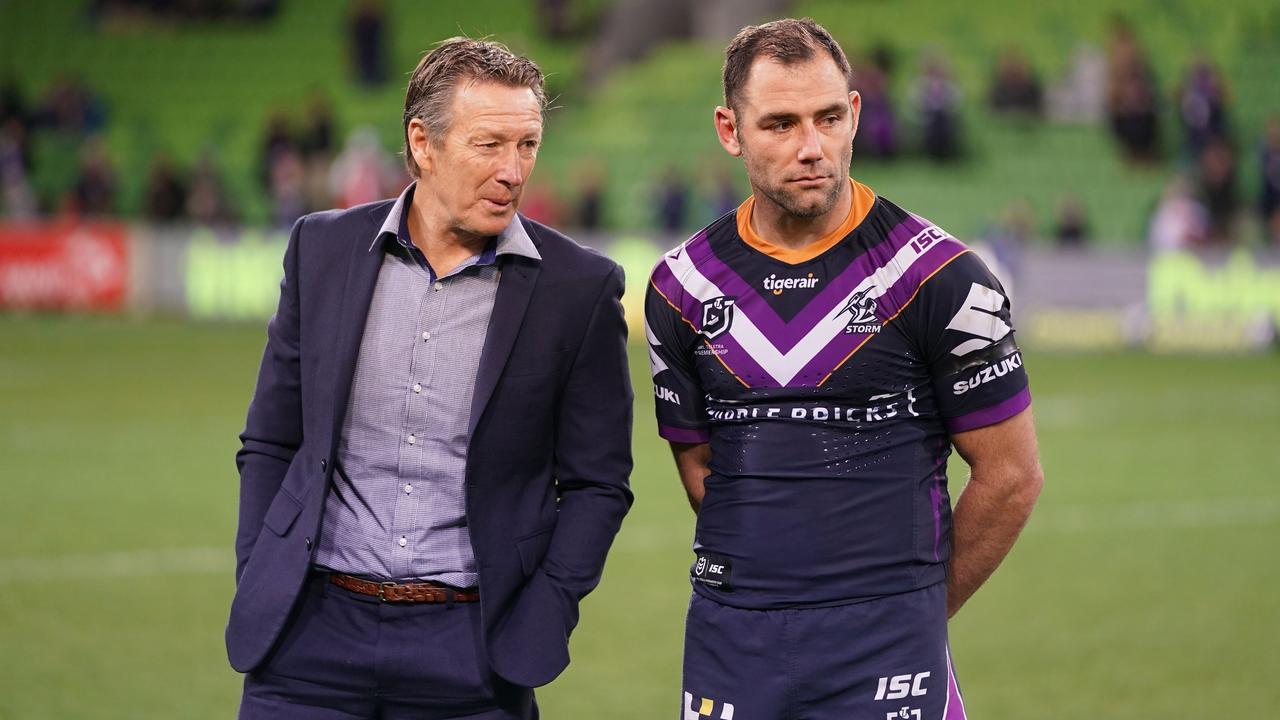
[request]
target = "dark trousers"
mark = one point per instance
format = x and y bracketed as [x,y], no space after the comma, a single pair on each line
[882,658]
[344,656]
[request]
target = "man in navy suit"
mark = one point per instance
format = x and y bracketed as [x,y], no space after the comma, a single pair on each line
[437,453]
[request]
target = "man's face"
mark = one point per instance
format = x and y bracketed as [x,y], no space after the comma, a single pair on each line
[473,176]
[794,130]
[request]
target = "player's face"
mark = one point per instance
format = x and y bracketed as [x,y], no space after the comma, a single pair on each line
[794,132]
[474,175]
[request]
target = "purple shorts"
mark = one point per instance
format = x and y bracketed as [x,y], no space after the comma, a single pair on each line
[880,659]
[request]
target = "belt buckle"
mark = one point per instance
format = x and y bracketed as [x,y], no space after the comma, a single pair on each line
[382,590]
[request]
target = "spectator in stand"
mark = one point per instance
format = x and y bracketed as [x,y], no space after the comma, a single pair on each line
[278,142]
[1218,191]
[94,191]
[877,136]
[1269,166]
[166,193]
[317,145]
[1132,96]
[673,202]
[589,208]
[367,29]
[938,104]
[1009,237]
[71,108]
[1202,107]
[17,201]
[539,203]
[288,188]
[727,196]
[877,124]
[1079,95]
[207,202]
[317,136]
[554,18]
[1015,89]
[364,172]
[1071,226]
[1180,221]
[12,105]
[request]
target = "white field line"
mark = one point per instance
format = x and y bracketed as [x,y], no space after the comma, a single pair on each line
[128,563]
[1223,512]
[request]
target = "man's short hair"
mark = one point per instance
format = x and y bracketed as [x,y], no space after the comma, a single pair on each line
[788,41]
[429,96]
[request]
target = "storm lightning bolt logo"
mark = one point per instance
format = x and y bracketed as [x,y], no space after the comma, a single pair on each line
[861,309]
[862,313]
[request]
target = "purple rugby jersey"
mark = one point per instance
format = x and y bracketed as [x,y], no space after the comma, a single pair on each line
[828,389]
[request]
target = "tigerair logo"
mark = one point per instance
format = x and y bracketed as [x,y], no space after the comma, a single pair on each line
[697,708]
[777,285]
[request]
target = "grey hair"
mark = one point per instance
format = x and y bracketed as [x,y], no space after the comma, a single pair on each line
[429,96]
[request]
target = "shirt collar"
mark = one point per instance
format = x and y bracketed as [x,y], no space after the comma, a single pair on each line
[513,240]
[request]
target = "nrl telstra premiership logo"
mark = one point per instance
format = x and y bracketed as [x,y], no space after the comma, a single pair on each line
[717,316]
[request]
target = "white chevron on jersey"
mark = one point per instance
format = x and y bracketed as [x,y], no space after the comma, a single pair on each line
[783,367]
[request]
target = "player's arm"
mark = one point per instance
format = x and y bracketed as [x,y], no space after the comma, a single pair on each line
[1004,482]
[678,395]
[984,398]
[693,463]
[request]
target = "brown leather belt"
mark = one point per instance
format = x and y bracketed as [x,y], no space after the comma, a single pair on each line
[423,592]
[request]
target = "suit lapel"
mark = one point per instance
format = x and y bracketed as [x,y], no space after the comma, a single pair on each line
[515,287]
[362,277]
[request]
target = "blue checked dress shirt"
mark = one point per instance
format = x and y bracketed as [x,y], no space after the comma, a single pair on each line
[396,509]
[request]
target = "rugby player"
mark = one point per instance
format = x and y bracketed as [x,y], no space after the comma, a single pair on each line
[816,354]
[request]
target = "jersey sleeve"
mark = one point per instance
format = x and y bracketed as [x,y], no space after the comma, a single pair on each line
[678,396]
[967,339]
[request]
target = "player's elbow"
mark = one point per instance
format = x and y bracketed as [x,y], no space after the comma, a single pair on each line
[1027,490]
[1013,485]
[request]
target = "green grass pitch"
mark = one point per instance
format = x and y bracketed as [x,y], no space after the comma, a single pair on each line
[1147,585]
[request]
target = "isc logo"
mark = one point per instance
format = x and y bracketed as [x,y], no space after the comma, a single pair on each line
[926,238]
[899,686]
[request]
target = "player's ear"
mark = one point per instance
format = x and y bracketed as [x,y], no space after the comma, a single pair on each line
[855,105]
[420,145]
[727,131]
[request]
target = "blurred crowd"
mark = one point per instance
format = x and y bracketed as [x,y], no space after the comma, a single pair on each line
[306,162]
[1202,206]
[149,11]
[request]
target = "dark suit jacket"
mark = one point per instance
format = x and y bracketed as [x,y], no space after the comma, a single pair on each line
[550,452]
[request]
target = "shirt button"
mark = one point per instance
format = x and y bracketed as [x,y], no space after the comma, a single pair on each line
[417,388]
[408,489]
[403,541]
[438,286]
[413,439]
[426,336]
